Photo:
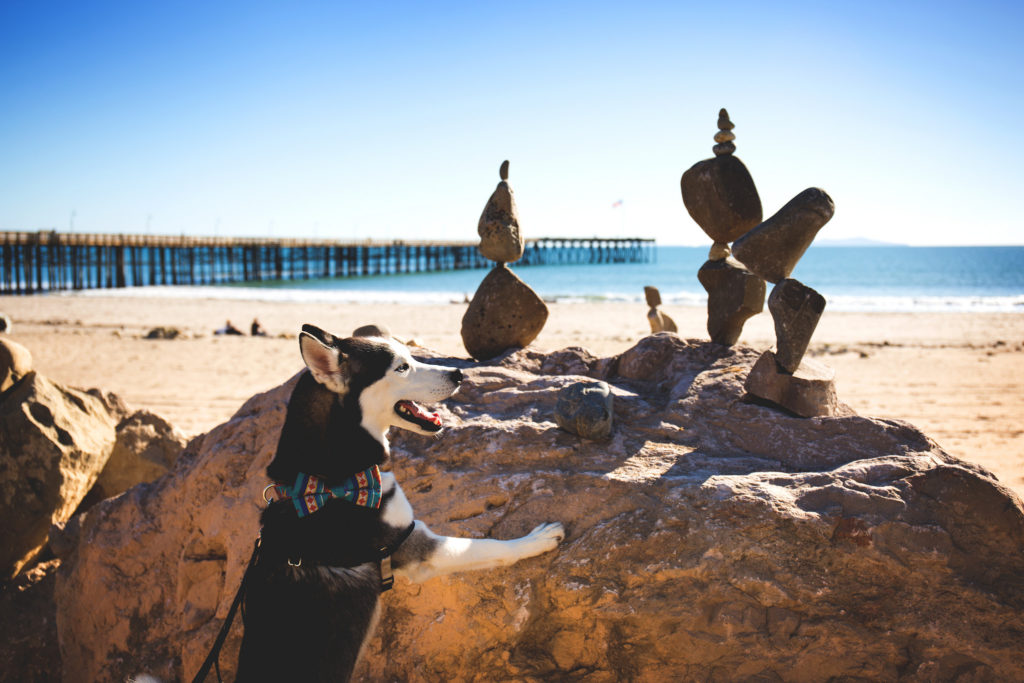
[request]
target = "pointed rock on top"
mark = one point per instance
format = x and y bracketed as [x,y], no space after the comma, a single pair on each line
[498,228]
[724,137]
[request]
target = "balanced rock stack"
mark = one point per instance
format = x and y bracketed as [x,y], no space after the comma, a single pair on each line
[659,321]
[504,312]
[720,196]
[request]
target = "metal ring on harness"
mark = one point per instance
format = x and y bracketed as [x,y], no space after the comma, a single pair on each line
[269,486]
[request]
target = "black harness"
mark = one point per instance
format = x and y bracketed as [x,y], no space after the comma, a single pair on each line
[387,581]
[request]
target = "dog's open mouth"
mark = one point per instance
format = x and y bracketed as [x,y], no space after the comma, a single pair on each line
[419,416]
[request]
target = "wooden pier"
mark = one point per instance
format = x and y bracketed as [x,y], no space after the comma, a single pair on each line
[46,261]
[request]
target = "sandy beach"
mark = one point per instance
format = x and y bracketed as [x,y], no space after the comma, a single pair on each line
[957,376]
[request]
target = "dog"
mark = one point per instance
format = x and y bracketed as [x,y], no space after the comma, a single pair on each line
[337,527]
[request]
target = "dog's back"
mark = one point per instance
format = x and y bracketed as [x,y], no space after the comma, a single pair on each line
[307,623]
[312,596]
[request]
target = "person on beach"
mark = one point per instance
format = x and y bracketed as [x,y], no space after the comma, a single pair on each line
[228,329]
[256,329]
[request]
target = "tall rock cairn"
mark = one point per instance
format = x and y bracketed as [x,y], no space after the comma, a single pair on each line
[720,196]
[504,312]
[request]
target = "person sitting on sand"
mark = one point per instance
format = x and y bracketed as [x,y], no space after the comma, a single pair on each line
[256,329]
[228,329]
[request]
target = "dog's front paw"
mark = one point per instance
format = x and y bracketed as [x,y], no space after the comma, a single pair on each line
[546,537]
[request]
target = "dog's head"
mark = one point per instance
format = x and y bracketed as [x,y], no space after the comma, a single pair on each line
[388,382]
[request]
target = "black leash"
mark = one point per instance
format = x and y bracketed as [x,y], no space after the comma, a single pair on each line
[214,656]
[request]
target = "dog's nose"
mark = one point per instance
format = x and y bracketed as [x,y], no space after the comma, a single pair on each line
[456,376]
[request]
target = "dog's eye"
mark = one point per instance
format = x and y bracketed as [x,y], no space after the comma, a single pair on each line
[404,367]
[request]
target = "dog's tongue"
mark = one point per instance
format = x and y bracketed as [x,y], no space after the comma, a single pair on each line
[419,412]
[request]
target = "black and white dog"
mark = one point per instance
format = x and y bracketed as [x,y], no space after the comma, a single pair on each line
[337,526]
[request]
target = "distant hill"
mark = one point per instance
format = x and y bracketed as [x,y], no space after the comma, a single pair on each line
[855,242]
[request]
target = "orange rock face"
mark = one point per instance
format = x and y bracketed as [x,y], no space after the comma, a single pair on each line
[710,537]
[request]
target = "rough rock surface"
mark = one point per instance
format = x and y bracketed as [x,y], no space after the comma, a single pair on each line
[54,442]
[504,313]
[720,196]
[709,539]
[773,248]
[28,626]
[146,448]
[498,227]
[810,391]
[734,295]
[586,409]
[795,309]
[15,363]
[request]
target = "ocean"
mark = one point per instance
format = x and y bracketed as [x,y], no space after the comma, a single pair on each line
[897,279]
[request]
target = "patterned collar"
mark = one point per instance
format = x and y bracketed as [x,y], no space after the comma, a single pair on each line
[309,493]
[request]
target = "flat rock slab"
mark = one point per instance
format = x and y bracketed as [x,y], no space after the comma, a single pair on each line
[504,313]
[808,392]
[773,248]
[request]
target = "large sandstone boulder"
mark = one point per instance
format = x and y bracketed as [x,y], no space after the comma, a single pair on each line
[709,539]
[146,447]
[15,363]
[54,441]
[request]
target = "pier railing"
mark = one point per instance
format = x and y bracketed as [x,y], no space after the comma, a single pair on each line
[51,261]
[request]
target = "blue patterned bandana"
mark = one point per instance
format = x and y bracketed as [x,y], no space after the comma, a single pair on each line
[309,493]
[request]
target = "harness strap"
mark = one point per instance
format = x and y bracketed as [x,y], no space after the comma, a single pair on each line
[387,577]
[214,656]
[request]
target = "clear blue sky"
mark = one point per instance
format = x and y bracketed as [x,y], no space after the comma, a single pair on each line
[389,120]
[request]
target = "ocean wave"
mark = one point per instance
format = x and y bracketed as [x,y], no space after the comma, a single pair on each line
[848,303]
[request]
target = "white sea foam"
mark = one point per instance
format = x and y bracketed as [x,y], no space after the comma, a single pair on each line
[897,304]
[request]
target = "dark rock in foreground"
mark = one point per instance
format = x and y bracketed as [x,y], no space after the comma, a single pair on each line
[585,409]
[709,539]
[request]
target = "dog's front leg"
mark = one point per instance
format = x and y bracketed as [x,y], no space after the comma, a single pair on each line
[425,554]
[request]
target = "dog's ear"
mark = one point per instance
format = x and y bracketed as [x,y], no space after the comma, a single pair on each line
[324,358]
